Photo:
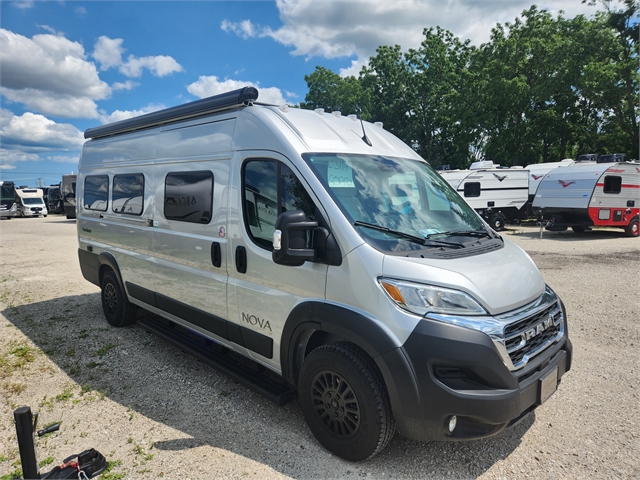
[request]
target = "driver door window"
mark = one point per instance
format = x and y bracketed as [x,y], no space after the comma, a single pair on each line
[270,188]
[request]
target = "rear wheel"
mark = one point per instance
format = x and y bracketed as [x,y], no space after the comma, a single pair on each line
[117,309]
[345,402]
[497,222]
[633,229]
[578,228]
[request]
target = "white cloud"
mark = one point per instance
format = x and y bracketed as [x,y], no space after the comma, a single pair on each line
[125,114]
[49,29]
[208,86]
[63,159]
[31,133]
[50,74]
[108,52]
[357,27]
[23,4]
[128,85]
[160,66]
[81,11]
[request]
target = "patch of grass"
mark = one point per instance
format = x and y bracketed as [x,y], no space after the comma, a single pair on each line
[14,388]
[83,334]
[70,353]
[108,474]
[3,458]
[148,457]
[86,388]
[65,395]
[24,354]
[93,364]
[10,476]
[130,440]
[101,352]
[46,461]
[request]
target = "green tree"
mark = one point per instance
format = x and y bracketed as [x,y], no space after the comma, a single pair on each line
[330,91]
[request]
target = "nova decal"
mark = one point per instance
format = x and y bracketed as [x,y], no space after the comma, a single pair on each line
[536,177]
[565,184]
[499,177]
[256,321]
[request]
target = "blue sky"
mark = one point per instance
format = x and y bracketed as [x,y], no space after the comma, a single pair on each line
[66,66]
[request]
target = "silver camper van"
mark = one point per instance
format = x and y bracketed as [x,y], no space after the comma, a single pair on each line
[327,252]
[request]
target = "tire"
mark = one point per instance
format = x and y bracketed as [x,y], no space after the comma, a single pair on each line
[633,229]
[345,402]
[579,228]
[497,222]
[117,309]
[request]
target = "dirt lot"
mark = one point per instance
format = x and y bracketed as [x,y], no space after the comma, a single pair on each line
[156,412]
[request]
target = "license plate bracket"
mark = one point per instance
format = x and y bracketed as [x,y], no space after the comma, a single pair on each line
[548,385]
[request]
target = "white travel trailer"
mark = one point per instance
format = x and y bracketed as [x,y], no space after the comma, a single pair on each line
[30,202]
[590,194]
[537,171]
[330,254]
[499,195]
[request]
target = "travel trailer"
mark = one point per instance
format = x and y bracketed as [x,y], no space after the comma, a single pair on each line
[30,202]
[537,171]
[8,206]
[499,195]
[332,256]
[590,195]
[68,194]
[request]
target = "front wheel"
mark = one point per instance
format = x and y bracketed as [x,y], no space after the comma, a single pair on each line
[117,309]
[345,402]
[579,228]
[633,229]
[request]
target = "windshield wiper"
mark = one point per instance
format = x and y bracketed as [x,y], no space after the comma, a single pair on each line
[463,233]
[420,240]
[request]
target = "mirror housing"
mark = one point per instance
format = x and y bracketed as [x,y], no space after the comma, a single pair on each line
[290,239]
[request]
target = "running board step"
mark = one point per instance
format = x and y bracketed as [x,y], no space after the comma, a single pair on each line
[273,390]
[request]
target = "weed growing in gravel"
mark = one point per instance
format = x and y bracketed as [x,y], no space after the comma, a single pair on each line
[10,476]
[3,458]
[65,395]
[101,352]
[108,474]
[13,388]
[46,461]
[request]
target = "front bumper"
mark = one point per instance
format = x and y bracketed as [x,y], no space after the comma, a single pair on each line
[444,370]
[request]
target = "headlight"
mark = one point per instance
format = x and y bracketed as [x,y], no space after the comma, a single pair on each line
[422,299]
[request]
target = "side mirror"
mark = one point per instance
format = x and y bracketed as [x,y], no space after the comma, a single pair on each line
[290,239]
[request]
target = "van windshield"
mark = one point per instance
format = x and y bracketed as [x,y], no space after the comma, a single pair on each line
[32,201]
[406,197]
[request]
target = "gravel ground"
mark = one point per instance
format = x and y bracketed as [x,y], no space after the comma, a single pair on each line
[154,411]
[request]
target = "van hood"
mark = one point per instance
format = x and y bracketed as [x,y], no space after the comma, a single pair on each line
[500,281]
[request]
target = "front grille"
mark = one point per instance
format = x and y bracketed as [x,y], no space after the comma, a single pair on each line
[530,336]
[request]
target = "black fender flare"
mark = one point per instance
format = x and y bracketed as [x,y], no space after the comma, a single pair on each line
[106,258]
[397,371]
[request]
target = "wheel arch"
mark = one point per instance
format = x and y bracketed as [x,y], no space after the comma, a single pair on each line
[107,262]
[312,324]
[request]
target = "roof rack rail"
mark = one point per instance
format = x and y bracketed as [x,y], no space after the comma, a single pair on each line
[235,98]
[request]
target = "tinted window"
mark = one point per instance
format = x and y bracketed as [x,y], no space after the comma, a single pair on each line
[472,189]
[128,194]
[188,196]
[96,192]
[612,184]
[270,188]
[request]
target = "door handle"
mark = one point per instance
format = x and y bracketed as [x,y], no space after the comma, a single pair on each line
[216,255]
[241,259]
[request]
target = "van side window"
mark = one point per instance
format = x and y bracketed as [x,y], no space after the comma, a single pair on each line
[270,188]
[472,189]
[612,184]
[188,196]
[128,194]
[96,192]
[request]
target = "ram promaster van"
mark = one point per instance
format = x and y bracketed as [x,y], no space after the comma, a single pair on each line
[330,254]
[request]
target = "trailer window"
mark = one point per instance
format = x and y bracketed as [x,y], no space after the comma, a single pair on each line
[612,184]
[96,192]
[472,189]
[188,196]
[128,194]
[271,188]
